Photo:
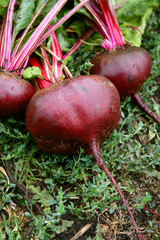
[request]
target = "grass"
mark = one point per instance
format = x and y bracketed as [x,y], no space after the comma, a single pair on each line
[44,186]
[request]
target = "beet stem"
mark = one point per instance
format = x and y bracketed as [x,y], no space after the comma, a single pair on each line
[7,33]
[137,98]
[148,210]
[96,152]
[26,30]
[79,43]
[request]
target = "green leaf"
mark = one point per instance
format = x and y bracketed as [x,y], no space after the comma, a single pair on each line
[24,15]
[42,196]
[3,6]
[2,232]
[77,27]
[4,3]
[45,10]
[31,72]
[47,7]
[65,224]
[134,13]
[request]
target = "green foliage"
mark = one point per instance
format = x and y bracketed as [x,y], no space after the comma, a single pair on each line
[3,6]
[31,72]
[135,13]
[75,184]
[24,15]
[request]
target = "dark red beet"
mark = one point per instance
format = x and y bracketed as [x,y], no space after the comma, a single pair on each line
[126,68]
[78,112]
[15,93]
[71,114]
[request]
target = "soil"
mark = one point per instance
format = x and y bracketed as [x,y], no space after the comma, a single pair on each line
[118,226]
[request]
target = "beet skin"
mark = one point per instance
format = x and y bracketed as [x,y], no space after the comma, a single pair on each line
[79,112]
[69,115]
[126,68]
[15,93]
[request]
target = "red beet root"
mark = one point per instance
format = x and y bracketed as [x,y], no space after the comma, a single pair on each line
[126,68]
[15,93]
[73,113]
[78,112]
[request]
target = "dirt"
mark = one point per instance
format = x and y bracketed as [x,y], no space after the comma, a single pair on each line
[118,226]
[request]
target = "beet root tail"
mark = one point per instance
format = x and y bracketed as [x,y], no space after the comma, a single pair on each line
[96,152]
[137,98]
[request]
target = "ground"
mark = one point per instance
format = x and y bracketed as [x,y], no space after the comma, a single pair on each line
[52,198]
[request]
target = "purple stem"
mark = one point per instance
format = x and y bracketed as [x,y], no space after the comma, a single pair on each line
[107,24]
[79,43]
[136,28]
[33,40]
[2,41]
[56,49]
[137,98]
[59,59]
[26,30]
[99,21]
[45,63]
[108,21]
[94,7]
[31,44]
[148,210]
[111,22]
[62,20]
[119,4]
[6,52]
[96,152]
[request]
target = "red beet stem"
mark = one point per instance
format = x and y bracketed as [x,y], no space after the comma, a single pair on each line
[137,98]
[148,210]
[96,152]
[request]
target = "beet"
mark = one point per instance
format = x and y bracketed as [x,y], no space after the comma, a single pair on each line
[79,112]
[127,68]
[69,115]
[15,93]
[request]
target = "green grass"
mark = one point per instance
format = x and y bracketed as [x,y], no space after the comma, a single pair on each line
[58,184]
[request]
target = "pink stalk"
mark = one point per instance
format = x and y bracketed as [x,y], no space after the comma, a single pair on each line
[62,20]
[33,40]
[98,20]
[26,30]
[23,66]
[2,42]
[46,69]
[42,83]
[79,43]
[96,152]
[45,63]
[6,52]
[112,10]
[109,22]
[55,47]
[59,59]
[50,70]
[38,37]
[95,9]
